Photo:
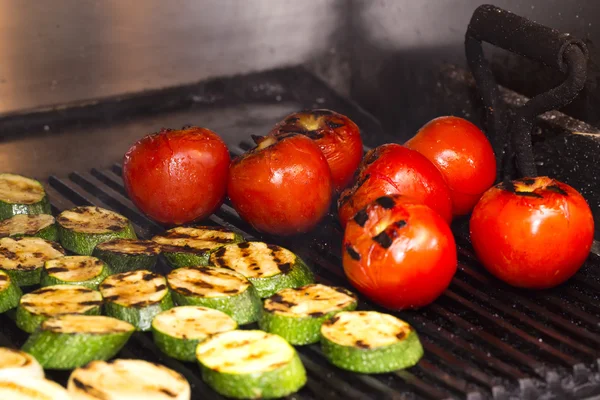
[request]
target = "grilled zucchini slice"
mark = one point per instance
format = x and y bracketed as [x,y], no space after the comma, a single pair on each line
[296,314]
[53,301]
[23,258]
[71,341]
[10,293]
[123,255]
[127,380]
[370,342]
[136,297]
[218,288]
[250,364]
[74,270]
[269,267]
[188,246]
[82,228]
[38,225]
[21,195]
[16,364]
[178,331]
[26,388]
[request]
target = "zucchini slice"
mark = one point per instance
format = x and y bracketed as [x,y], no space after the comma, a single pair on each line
[250,364]
[370,342]
[16,364]
[10,293]
[74,270]
[123,255]
[21,195]
[26,388]
[178,331]
[269,267]
[71,341]
[136,297]
[23,258]
[296,314]
[127,380]
[188,246]
[38,225]
[218,288]
[81,228]
[52,301]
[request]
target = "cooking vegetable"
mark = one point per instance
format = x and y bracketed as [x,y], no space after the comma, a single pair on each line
[39,225]
[394,169]
[21,195]
[177,176]
[218,288]
[71,341]
[250,364]
[463,155]
[23,258]
[26,388]
[268,267]
[532,233]
[53,301]
[74,270]
[15,364]
[187,246]
[178,331]
[283,186]
[136,297]
[10,293]
[370,342]
[297,314]
[123,255]
[399,255]
[335,134]
[127,380]
[81,228]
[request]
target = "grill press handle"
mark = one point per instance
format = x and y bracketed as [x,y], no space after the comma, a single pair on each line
[510,130]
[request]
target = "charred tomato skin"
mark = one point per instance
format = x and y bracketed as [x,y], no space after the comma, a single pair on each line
[400,256]
[283,186]
[535,233]
[337,136]
[177,176]
[394,169]
[464,156]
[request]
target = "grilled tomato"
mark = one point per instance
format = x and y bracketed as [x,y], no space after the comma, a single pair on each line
[399,255]
[395,169]
[282,186]
[335,134]
[177,176]
[464,156]
[532,233]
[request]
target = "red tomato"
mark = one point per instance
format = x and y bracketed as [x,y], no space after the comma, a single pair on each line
[399,255]
[464,156]
[535,234]
[335,134]
[283,186]
[395,169]
[177,176]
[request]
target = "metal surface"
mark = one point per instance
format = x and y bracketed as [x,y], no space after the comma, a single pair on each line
[482,338]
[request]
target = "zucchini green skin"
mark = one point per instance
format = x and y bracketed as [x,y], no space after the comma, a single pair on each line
[179,349]
[84,243]
[8,210]
[49,280]
[244,308]
[140,317]
[297,330]
[25,277]
[57,350]
[29,322]
[273,384]
[125,262]
[299,275]
[9,297]
[395,356]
